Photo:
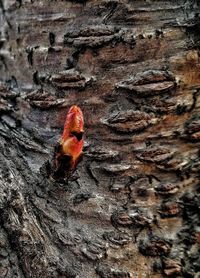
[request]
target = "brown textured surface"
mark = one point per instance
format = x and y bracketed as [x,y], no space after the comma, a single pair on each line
[134,69]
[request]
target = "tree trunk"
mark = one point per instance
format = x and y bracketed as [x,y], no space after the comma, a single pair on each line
[134,69]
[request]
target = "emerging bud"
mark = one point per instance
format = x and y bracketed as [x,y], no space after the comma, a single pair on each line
[69,151]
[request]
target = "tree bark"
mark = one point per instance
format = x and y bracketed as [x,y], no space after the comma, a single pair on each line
[134,69]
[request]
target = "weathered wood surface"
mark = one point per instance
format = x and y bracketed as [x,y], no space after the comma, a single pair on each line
[134,69]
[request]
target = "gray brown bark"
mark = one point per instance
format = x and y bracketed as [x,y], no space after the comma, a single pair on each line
[133,67]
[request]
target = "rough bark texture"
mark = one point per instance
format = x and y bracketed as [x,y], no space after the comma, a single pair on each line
[134,69]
